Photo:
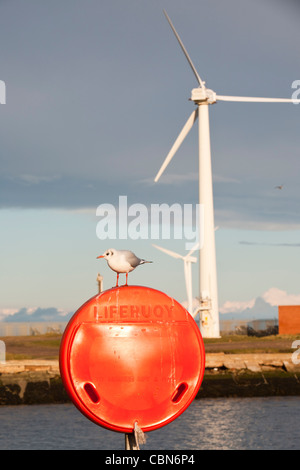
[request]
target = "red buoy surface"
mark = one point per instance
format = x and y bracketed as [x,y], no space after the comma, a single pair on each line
[130,354]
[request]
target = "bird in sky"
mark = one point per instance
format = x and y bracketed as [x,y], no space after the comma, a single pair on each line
[122,261]
[279,187]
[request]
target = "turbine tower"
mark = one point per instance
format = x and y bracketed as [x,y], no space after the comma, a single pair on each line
[203,97]
[187,263]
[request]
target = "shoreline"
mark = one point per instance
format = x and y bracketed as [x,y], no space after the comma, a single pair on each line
[226,375]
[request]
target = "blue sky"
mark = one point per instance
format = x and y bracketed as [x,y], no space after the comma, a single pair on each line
[97,92]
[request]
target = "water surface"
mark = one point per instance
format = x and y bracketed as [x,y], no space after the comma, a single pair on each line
[216,424]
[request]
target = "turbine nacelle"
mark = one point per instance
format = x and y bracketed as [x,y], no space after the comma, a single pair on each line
[201,95]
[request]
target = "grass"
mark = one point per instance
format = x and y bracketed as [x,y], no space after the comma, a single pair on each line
[47,346]
[32,347]
[251,339]
[237,344]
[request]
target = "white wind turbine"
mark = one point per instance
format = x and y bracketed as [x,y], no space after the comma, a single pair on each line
[203,97]
[187,263]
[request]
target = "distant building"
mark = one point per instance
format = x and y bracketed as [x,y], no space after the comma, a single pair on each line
[289,319]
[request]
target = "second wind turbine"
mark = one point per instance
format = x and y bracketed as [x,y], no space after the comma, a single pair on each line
[203,97]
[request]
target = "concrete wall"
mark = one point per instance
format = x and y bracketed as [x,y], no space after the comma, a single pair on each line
[226,375]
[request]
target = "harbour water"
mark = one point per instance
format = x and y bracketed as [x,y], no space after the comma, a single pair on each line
[216,424]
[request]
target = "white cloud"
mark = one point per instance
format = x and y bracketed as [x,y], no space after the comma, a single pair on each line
[236,306]
[8,311]
[4,312]
[272,296]
[34,314]
[275,297]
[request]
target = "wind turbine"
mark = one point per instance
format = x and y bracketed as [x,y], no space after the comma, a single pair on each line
[187,263]
[203,97]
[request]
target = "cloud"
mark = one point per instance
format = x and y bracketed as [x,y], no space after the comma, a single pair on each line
[275,296]
[58,120]
[236,306]
[266,304]
[248,219]
[33,191]
[172,178]
[37,179]
[225,179]
[292,245]
[50,314]
[5,312]
[262,306]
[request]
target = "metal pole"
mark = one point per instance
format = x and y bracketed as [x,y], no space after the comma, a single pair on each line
[130,442]
[100,283]
[135,438]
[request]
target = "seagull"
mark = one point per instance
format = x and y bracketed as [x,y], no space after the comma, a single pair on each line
[122,261]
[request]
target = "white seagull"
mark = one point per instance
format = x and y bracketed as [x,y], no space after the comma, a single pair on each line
[122,261]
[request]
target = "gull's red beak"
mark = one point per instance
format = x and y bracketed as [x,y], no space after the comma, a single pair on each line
[100,256]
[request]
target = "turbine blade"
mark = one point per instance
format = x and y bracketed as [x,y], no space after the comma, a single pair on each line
[187,280]
[195,313]
[169,252]
[185,52]
[190,259]
[256,100]
[193,249]
[184,132]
